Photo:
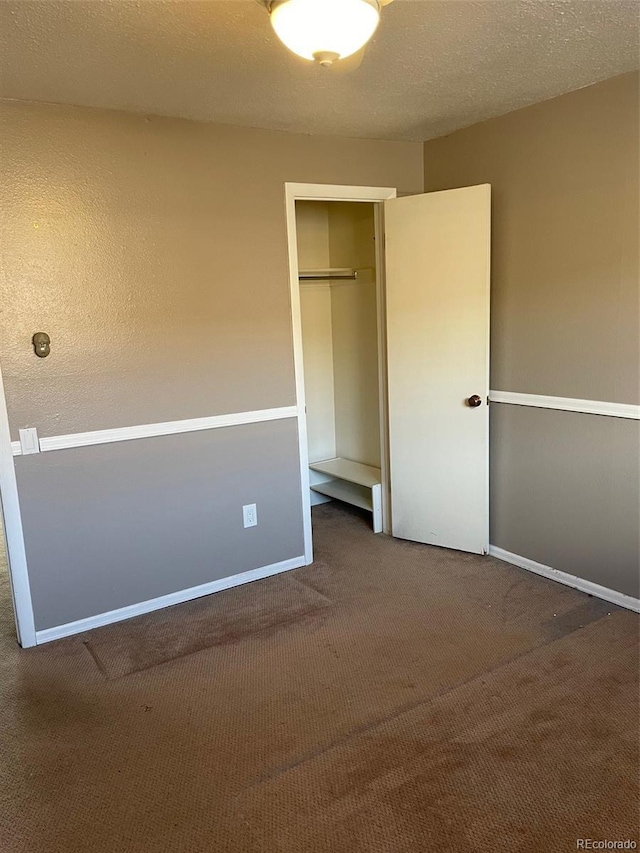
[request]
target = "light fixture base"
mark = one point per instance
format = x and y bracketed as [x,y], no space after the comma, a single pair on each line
[326,58]
[324,30]
[268,4]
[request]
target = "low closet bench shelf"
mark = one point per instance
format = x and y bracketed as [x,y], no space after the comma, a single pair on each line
[353,483]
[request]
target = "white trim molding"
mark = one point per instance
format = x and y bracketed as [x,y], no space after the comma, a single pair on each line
[337,192]
[107,436]
[182,595]
[567,404]
[17,557]
[574,581]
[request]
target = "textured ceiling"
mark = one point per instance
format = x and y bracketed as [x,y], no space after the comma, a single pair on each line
[432,67]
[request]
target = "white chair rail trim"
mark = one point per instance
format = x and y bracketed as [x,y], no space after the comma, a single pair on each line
[107,436]
[567,404]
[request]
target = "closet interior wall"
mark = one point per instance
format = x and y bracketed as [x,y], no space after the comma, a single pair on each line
[339,331]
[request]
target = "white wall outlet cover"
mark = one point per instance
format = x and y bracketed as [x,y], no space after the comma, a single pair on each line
[250,515]
[29,441]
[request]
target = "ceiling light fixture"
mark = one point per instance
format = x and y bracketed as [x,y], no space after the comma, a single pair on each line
[324,30]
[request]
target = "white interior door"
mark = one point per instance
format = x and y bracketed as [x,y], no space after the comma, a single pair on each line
[437,285]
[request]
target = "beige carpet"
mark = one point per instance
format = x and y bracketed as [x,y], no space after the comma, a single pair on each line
[391,697]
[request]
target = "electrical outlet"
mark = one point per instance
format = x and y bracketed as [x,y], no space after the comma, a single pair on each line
[250,515]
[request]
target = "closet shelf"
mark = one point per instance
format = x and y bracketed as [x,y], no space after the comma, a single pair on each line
[352,472]
[354,483]
[350,493]
[339,273]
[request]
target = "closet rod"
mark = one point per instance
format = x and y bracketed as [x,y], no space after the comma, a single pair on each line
[353,277]
[337,273]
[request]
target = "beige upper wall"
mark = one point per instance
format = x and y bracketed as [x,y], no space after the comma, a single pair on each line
[352,235]
[312,231]
[153,251]
[565,295]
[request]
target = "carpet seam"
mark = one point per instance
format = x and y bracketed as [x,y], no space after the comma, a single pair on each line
[96,659]
[412,706]
[313,589]
[239,639]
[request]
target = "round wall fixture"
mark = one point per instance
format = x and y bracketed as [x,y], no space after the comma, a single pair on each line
[324,30]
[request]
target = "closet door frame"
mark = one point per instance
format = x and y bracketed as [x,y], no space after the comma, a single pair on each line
[333,192]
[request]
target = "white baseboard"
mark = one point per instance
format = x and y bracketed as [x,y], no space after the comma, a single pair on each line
[574,581]
[91,622]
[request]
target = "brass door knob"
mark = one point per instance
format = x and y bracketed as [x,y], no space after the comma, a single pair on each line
[474,401]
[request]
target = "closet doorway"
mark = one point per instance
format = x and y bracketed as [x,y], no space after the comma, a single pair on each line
[337,273]
[390,313]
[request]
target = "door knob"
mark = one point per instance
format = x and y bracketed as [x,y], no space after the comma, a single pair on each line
[474,401]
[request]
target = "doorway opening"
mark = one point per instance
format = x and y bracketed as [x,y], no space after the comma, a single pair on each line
[413,315]
[341,346]
[340,249]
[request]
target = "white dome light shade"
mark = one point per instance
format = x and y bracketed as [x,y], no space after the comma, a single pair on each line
[325,30]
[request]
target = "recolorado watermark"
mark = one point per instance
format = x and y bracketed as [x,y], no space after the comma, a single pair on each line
[605,844]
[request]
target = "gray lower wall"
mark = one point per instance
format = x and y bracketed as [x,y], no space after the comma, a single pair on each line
[112,525]
[565,492]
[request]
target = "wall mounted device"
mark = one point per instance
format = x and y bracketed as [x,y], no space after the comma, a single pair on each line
[41,344]
[29,442]
[250,515]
